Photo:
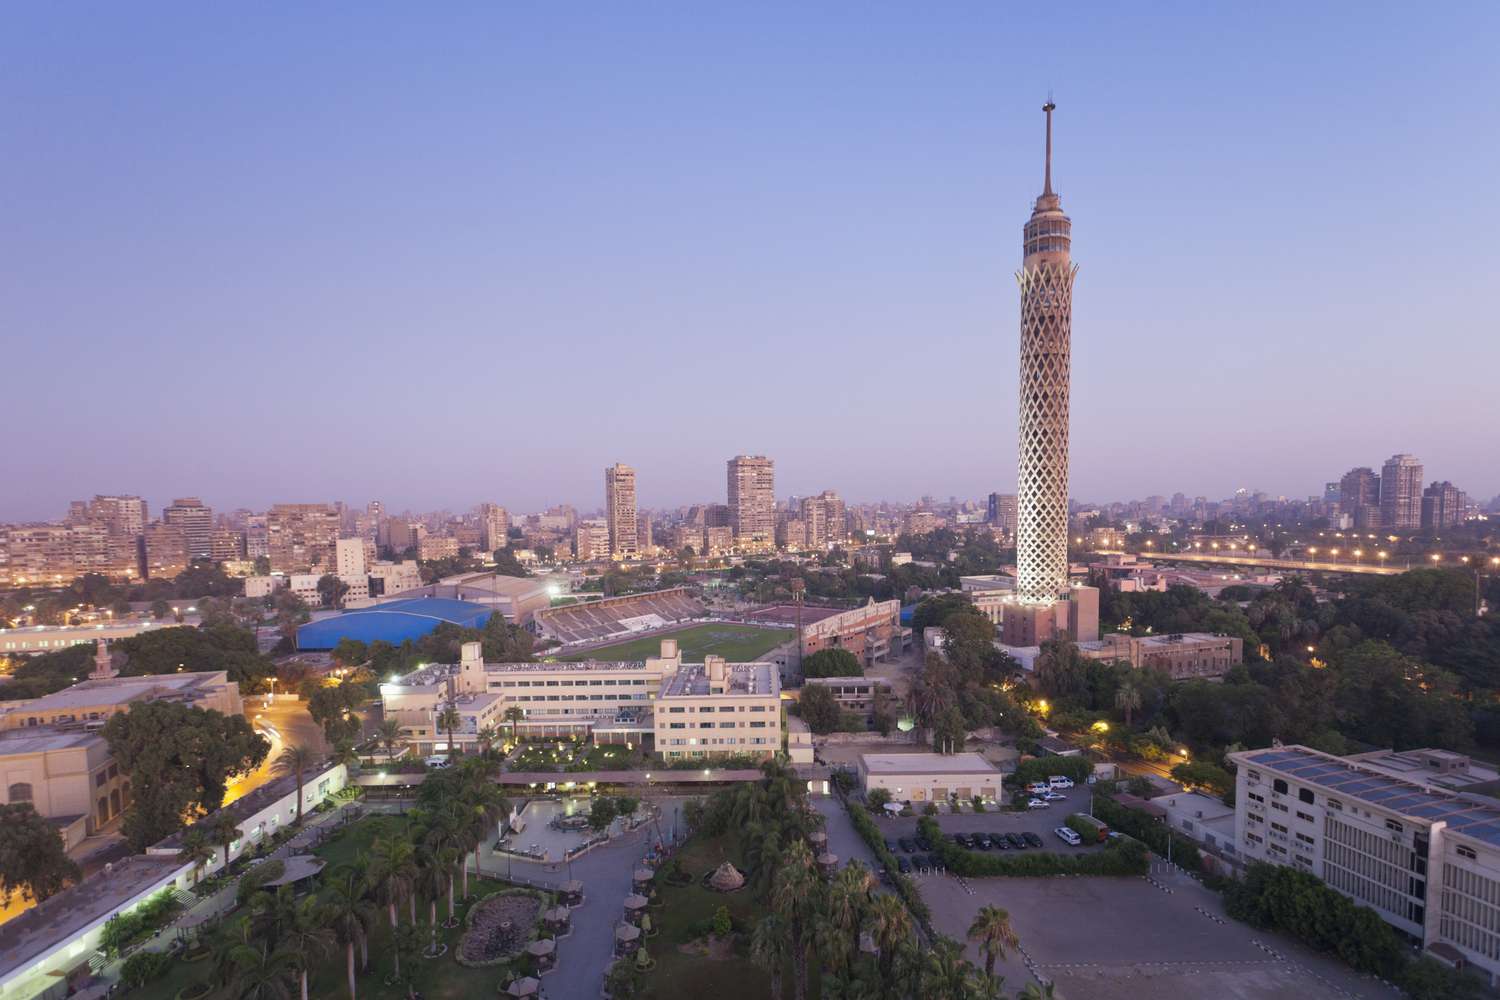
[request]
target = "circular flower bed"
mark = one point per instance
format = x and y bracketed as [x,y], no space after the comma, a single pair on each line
[499,927]
[194,992]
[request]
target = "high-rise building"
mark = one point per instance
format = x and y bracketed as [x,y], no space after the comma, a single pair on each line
[165,550]
[1046,279]
[752,498]
[122,516]
[1401,493]
[1002,511]
[301,537]
[1359,497]
[620,512]
[494,521]
[196,519]
[591,539]
[823,521]
[1044,605]
[1443,506]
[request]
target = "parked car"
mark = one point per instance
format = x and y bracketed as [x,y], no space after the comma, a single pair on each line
[1060,781]
[1054,797]
[1017,841]
[906,845]
[1038,787]
[437,761]
[1037,803]
[1067,836]
[890,845]
[963,840]
[982,841]
[1032,840]
[1001,841]
[903,866]
[923,844]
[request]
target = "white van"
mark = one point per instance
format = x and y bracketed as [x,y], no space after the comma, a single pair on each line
[1060,781]
[1067,836]
[437,761]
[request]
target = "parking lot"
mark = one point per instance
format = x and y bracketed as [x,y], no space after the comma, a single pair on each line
[1166,937]
[1041,822]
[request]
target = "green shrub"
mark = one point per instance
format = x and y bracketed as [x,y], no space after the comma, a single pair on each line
[905,887]
[251,881]
[1149,830]
[144,967]
[1042,768]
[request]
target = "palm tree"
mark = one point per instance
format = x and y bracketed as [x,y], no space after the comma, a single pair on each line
[795,898]
[1128,699]
[1037,991]
[222,830]
[992,930]
[273,913]
[389,734]
[407,944]
[485,804]
[892,927]
[294,760]
[448,721]
[945,974]
[848,899]
[349,914]
[261,973]
[447,837]
[768,949]
[435,876]
[196,850]
[308,939]
[487,736]
[514,715]
[393,871]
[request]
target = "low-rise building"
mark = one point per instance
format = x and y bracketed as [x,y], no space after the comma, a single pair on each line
[96,699]
[854,694]
[1201,818]
[67,774]
[1181,655]
[51,638]
[929,777]
[1425,857]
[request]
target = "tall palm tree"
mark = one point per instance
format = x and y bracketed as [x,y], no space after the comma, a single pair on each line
[770,949]
[795,897]
[1128,699]
[485,805]
[434,877]
[448,721]
[294,761]
[349,914]
[447,837]
[222,830]
[273,913]
[309,939]
[196,850]
[891,922]
[848,902]
[389,734]
[393,871]
[261,973]
[992,930]
[487,736]
[515,714]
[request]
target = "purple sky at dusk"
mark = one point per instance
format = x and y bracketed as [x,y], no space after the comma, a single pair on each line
[441,255]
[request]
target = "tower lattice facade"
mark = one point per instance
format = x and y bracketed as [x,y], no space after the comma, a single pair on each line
[1046,279]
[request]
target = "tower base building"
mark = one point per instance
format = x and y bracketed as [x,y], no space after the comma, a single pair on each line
[1075,613]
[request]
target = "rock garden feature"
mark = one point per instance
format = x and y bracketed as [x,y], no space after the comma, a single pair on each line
[726,878]
[500,926]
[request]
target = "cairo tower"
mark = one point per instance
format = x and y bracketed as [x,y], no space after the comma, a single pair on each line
[1045,604]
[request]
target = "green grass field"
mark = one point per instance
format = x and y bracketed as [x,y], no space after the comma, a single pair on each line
[736,643]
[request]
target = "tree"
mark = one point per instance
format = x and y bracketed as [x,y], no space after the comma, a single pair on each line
[332,590]
[448,721]
[514,715]
[389,734]
[294,761]
[1202,774]
[795,898]
[349,914]
[196,851]
[722,923]
[832,663]
[769,950]
[945,974]
[33,860]
[308,939]
[506,563]
[933,610]
[602,813]
[331,707]
[222,830]
[820,710]
[351,652]
[1127,700]
[393,873]
[992,930]
[180,760]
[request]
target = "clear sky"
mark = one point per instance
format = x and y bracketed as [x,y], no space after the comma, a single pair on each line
[439,254]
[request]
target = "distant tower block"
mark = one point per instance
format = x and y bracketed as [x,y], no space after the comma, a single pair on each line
[104,663]
[1046,280]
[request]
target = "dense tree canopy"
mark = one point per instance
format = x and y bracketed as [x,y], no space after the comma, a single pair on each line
[32,859]
[180,760]
[832,663]
[819,709]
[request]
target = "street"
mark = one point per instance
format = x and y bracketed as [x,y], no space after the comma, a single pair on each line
[285,723]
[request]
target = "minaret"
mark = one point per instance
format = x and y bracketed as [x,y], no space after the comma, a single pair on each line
[104,664]
[1046,280]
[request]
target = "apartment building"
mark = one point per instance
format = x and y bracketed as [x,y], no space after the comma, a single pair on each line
[494,521]
[752,498]
[680,709]
[591,540]
[1424,857]
[41,554]
[620,516]
[301,537]
[431,547]
[196,519]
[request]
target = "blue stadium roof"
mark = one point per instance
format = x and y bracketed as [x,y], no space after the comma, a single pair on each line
[393,622]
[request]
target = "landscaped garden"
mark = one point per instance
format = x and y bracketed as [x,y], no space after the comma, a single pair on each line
[736,643]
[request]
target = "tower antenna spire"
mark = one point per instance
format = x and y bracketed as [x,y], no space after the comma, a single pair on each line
[1049,107]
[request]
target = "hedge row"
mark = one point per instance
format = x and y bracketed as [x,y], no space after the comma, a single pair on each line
[872,836]
[1149,830]
[1042,768]
[1122,856]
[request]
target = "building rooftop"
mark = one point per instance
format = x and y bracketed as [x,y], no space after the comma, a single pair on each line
[29,934]
[41,739]
[120,690]
[927,763]
[744,679]
[842,680]
[1469,815]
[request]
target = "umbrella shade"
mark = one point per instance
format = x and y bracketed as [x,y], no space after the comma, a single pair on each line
[818,837]
[828,860]
[893,807]
[573,887]
[525,987]
[643,874]
[634,902]
[542,947]
[556,915]
[627,932]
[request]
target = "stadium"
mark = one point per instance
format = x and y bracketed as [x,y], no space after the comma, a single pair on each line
[618,617]
[393,622]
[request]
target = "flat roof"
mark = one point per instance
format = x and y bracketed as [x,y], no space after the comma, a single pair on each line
[1470,816]
[118,690]
[55,920]
[40,739]
[927,763]
[742,679]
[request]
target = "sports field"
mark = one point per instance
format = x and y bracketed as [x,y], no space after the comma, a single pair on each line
[736,643]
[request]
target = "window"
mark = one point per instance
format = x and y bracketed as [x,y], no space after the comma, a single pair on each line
[1278,785]
[1335,804]
[20,792]
[1305,817]
[1305,794]
[1465,852]
[1393,826]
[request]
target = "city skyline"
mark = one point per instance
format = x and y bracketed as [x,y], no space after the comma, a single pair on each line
[759,204]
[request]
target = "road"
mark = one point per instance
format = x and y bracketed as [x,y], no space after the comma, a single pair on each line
[285,723]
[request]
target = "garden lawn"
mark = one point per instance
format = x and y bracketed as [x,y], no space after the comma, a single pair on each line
[736,643]
[686,907]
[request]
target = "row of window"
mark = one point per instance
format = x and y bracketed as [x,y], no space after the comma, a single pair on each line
[611,682]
